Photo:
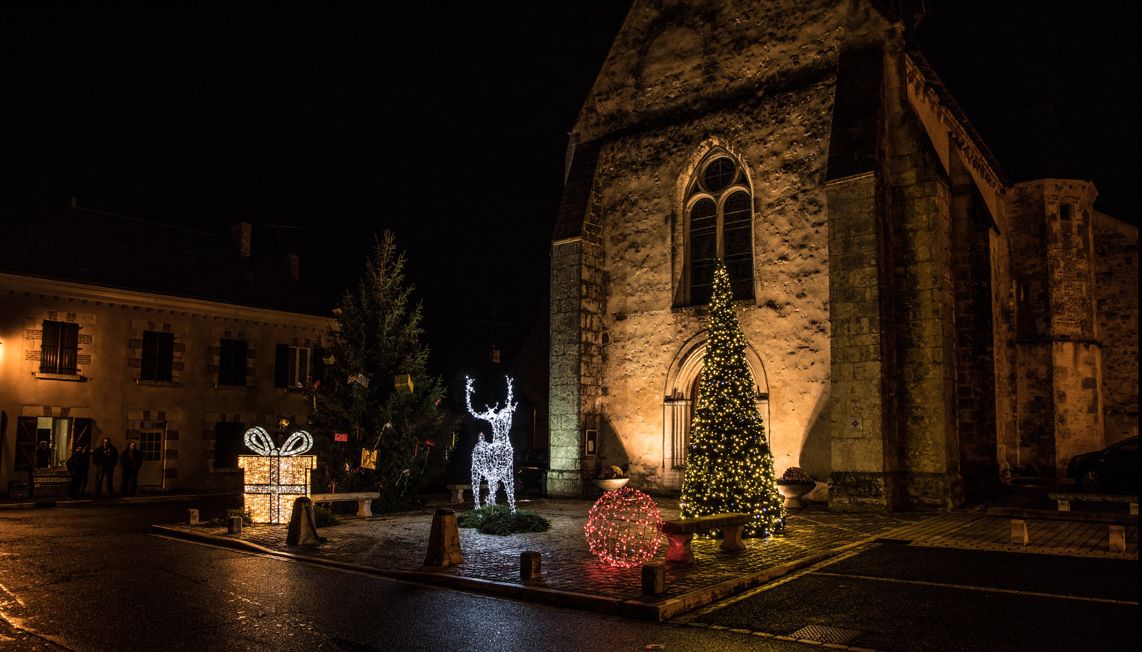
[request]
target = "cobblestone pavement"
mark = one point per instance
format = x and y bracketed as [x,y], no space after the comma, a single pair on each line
[398,542]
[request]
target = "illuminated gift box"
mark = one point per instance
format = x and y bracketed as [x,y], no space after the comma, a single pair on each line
[275,477]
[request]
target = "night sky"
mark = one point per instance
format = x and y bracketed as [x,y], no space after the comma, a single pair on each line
[449,126]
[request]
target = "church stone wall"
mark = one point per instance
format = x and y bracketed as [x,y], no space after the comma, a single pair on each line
[1116,285]
[779,140]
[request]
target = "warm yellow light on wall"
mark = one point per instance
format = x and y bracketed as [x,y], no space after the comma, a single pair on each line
[275,477]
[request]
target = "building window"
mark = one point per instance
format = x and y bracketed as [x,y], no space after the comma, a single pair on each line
[151,445]
[719,225]
[232,362]
[47,442]
[291,366]
[158,356]
[228,437]
[59,348]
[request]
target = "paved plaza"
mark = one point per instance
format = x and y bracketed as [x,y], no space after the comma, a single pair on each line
[395,545]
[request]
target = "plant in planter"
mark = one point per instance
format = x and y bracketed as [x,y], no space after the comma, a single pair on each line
[793,484]
[611,477]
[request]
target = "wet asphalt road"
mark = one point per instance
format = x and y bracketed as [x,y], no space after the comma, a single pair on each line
[94,578]
[896,597]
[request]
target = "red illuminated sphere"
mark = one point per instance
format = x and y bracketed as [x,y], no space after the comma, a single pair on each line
[623,528]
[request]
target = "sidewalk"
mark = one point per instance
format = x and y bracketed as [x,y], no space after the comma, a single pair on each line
[394,545]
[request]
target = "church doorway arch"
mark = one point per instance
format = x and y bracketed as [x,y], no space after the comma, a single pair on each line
[680,395]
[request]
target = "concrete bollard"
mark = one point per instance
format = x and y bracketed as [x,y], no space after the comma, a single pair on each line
[192,517]
[234,525]
[302,528]
[443,540]
[1117,538]
[653,579]
[1019,532]
[529,565]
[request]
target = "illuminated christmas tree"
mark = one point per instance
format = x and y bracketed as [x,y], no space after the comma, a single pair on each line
[375,390]
[729,467]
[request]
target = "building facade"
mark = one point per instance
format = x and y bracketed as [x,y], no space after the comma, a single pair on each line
[916,320]
[184,377]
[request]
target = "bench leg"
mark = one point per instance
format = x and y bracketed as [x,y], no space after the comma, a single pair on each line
[678,548]
[1117,538]
[364,507]
[732,538]
[1019,532]
[1064,505]
[458,496]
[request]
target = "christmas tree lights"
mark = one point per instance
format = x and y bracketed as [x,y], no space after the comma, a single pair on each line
[623,528]
[493,461]
[729,467]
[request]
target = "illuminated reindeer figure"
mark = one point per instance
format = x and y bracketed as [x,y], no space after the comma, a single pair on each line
[493,461]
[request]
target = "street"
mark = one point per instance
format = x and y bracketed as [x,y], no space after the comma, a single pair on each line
[94,578]
[898,597]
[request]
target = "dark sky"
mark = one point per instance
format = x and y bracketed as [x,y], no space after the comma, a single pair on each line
[448,125]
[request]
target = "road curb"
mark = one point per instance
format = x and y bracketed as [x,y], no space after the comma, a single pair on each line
[657,611]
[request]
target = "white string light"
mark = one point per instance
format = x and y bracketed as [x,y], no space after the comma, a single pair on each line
[493,461]
[275,477]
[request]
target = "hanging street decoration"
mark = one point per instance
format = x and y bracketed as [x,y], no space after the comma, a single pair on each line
[275,477]
[493,461]
[360,379]
[624,528]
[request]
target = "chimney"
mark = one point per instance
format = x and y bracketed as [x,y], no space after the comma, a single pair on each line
[242,233]
[295,267]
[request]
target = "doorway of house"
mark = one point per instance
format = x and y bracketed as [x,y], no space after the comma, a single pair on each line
[152,444]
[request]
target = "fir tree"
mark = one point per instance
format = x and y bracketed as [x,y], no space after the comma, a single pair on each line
[377,337]
[729,467]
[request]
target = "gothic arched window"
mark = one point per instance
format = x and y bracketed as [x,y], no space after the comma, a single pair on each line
[719,224]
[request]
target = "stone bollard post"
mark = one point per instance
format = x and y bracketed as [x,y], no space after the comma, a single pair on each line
[1019,532]
[302,530]
[234,525]
[443,540]
[653,579]
[529,565]
[192,517]
[1117,538]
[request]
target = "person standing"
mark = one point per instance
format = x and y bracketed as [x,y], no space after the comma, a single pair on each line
[77,467]
[105,458]
[130,462]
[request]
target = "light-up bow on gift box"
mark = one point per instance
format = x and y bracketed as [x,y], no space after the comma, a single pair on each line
[275,477]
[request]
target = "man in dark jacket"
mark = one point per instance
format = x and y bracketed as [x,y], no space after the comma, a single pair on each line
[130,463]
[77,466]
[105,458]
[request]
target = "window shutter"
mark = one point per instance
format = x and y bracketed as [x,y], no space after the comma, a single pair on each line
[49,347]
[281,366]
[69,348]
[26,444]
[82,434]
[166,356]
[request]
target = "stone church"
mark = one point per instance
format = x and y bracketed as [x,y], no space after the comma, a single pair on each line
[919,324]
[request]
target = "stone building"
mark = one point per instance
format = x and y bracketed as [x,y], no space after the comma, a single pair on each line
[176,339]
[917,321]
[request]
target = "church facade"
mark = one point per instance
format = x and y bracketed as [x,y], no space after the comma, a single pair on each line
[916,321]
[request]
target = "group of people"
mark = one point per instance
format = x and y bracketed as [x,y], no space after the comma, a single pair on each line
[105,458]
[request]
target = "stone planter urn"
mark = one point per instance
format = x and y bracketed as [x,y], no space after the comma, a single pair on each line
[610,484]
[792,491]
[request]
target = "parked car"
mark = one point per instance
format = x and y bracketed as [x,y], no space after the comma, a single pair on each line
[1114,467]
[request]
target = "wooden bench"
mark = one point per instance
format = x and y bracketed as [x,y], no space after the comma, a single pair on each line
[1064,499]
[679,532]
[458,492]
[364,500]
